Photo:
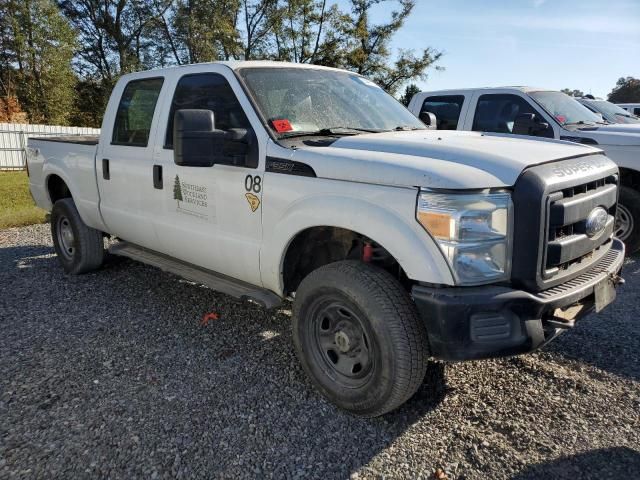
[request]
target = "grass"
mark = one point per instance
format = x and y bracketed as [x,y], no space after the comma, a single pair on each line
[16,205]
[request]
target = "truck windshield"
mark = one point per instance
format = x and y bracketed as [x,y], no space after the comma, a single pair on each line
[566,110]
[614,111]
[324,102]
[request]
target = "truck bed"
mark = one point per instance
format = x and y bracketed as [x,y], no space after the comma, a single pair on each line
[77,139]
[71,158]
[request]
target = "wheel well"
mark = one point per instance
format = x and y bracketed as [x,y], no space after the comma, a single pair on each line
[57,189]
[630,178]
[317,246]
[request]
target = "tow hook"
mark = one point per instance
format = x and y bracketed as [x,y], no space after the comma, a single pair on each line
[616,279]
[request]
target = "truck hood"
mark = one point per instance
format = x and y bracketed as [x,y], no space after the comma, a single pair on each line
[616,134]
[621,127]
[431,158]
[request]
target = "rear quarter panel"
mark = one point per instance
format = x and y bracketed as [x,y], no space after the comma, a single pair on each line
[75,164]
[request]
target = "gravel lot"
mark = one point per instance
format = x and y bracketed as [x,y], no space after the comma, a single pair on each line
[113,374]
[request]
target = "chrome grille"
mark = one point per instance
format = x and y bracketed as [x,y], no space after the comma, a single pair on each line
[568,247]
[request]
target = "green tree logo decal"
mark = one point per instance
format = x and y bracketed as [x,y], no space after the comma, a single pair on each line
[177,190]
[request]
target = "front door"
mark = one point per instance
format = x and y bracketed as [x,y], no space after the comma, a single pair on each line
[210,216]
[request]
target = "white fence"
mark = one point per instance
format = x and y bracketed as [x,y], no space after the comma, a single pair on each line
[13,140]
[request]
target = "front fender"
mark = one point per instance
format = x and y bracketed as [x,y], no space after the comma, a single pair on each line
[625,156]
[391,224]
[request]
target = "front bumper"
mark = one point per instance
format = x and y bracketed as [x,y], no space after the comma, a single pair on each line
[493,321]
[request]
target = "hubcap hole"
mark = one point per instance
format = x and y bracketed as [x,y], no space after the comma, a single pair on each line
[356,368]
[326,323]
[333,356]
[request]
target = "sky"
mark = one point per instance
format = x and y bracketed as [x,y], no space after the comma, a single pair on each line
[555,44]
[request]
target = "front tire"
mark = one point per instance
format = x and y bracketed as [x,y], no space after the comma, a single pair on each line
[628,219]
[359,338]
[80,248]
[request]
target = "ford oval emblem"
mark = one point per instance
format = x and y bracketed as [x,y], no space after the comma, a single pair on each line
[596,222]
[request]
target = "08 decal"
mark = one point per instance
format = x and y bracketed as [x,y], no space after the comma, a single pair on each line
[253,183]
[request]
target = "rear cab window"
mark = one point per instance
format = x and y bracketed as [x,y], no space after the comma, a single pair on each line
[446,108]
[135,112]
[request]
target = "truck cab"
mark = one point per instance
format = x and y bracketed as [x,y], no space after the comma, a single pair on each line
[545,114]
[397,244]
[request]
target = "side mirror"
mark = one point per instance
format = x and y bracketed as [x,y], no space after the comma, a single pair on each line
[196,142]
[529,124]
[429,119]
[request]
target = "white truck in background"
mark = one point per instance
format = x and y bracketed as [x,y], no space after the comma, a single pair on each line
[610,112]
[545,114]
[633,108]
[397,243]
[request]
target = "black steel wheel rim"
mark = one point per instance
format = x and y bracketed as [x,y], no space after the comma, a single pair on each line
[624,223]
[66,237]
[340,342]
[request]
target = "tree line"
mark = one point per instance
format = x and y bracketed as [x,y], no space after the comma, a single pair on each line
[626,90]
[60,59]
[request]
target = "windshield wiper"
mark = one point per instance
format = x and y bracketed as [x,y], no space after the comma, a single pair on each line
[406,128]
[580,123]
[325,132]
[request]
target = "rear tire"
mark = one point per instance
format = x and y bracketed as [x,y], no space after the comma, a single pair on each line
[80,248]
[359,338]
[627,226]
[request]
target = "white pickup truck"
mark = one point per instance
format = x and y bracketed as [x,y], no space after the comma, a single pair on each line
[398,244]
[546,114]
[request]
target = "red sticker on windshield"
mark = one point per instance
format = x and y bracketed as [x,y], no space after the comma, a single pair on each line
[561,118]
[281,125]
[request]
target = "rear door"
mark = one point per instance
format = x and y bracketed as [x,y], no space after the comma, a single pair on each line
[125,160]
[449,110]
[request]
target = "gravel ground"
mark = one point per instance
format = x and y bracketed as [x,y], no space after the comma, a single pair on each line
[112,374]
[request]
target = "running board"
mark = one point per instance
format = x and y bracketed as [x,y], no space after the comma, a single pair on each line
[215,281]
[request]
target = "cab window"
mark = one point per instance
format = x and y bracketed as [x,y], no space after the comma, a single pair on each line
[135,112]
[446,108]
[208,91]
[498,112]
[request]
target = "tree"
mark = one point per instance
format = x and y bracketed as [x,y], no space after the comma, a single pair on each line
[203,30]
[365,47]
[11,112]
[90,102]
[409,92]
[120,36]
[177,190]
[302,31]
[573,93]
[117,36]
[35,64]
[627,90]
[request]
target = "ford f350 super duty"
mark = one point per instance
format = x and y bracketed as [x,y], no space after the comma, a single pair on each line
[397,243]
[545,114]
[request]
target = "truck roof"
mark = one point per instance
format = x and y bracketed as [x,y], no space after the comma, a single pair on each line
[521,88]
[238,64]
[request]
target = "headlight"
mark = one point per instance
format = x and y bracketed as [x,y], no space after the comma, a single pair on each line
[473,231]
